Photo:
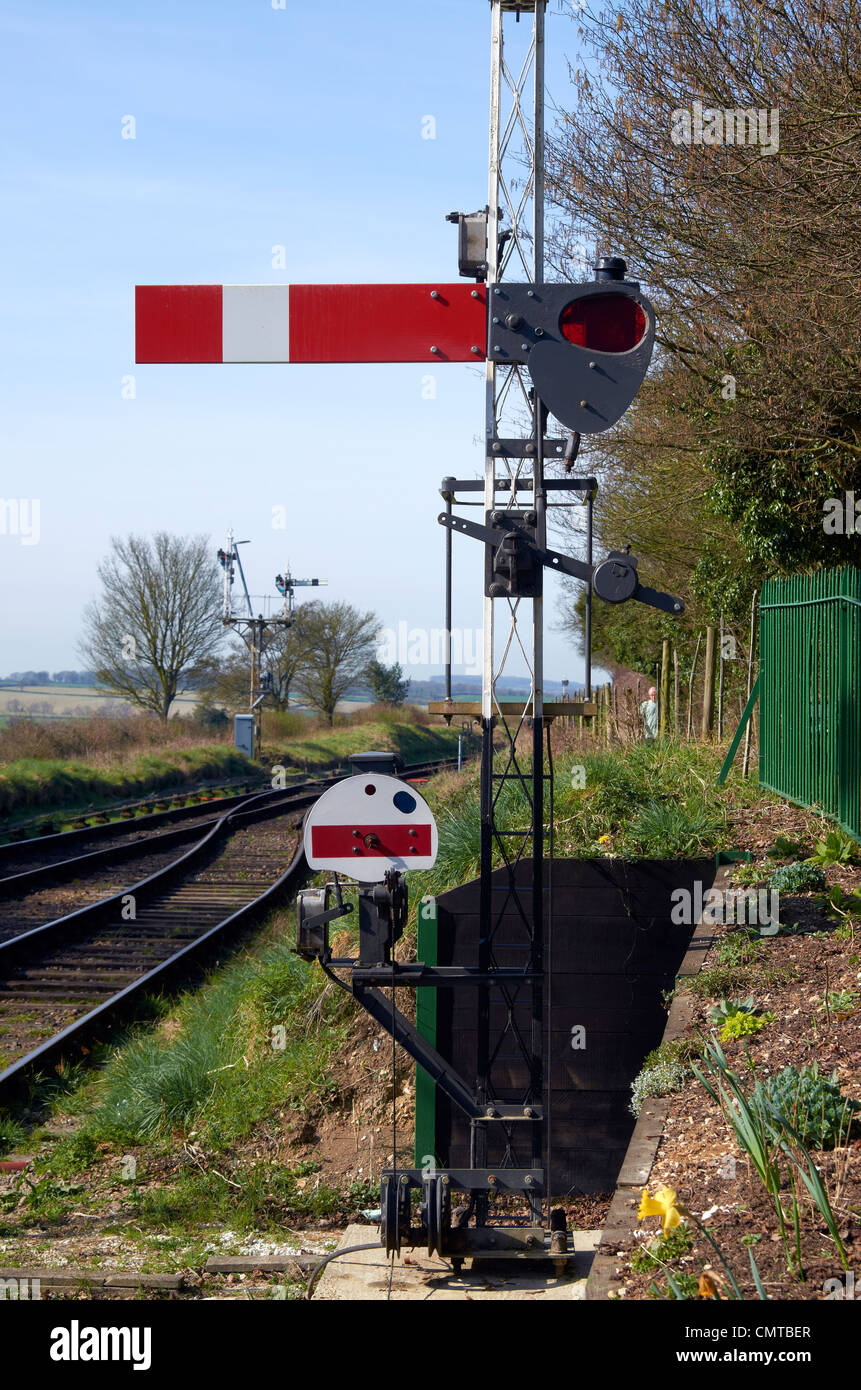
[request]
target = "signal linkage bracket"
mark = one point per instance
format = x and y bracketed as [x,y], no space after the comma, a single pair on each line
[615,580]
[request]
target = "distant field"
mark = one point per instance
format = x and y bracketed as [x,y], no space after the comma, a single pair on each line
[67,701]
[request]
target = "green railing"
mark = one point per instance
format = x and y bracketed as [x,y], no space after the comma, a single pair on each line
[810,692]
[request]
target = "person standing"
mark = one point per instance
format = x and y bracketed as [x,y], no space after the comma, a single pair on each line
[649,715]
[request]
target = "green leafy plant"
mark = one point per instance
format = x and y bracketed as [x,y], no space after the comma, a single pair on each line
[836,848]
[737,948]
[840,1001]
[748,875]
[798,877]
[727,1007]
[664,1070]
[812,1105]
[754,1134]
[764,1124]
[842,904]
[663,1249]
[743,1024]
[682,1287]
[784,848]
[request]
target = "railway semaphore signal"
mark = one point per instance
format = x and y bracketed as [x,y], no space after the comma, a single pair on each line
[287,585]
[579,353]
[256,631]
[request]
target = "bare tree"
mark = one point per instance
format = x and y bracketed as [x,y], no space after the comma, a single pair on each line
[339,642]
[156,623]
[718,147]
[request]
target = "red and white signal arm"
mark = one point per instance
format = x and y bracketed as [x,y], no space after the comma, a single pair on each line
[369,824]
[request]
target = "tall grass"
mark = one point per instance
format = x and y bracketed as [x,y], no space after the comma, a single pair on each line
[263,1033]
[98,738]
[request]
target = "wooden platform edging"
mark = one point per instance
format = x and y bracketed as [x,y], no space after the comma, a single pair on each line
[70,1278]
[604,1277]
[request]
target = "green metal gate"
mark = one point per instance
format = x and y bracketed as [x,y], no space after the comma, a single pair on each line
[810,691]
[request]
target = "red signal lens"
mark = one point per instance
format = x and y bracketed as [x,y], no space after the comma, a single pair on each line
[604,322]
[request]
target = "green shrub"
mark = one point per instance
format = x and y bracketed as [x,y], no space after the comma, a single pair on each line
[812,1104]
[798,877]
[210,717]
[784,848]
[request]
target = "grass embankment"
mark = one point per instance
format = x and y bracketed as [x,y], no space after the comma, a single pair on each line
[116,773]
[655,800]
[34,784]
[403,731]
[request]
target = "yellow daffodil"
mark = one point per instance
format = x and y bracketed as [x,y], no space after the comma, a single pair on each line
[708,1285]
[664,1204]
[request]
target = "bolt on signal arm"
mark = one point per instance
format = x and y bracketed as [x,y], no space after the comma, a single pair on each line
[615,580]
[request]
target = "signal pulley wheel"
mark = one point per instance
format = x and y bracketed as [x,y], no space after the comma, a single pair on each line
[394,1213]
[615,580]
[437,1205]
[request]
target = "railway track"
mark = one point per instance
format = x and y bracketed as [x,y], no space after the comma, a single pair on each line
[70,978]
[36,893]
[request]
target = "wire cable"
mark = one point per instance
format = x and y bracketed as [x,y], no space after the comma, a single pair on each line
[549,972]
[336,1255]
[394,1119]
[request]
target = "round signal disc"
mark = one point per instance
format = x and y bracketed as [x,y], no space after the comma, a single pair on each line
[369,824]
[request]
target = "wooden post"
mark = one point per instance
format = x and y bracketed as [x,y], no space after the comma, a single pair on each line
[608,715]
[745,766]
[691,687]
[675,692]
[707,722]
[664,725]
[720,681]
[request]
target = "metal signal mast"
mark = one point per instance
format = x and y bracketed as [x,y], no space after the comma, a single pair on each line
[530,371]
[257,632]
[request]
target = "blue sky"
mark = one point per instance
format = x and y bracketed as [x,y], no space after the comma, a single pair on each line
[254,128]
